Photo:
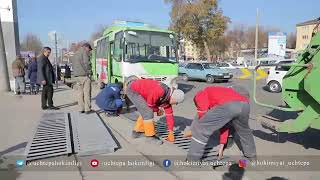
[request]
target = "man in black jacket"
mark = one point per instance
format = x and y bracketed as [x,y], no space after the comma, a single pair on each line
[46,77]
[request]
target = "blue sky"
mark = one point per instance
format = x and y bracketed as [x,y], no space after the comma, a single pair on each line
[76,19]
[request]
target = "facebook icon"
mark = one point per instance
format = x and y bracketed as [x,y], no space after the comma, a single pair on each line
[166,163]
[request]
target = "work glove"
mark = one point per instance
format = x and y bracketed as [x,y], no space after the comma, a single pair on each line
[170,137]
[160,112]
[187,133]
[220,153]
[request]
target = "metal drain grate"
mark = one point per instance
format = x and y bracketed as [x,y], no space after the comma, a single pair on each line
[90,136]
[52,137]
[210,152]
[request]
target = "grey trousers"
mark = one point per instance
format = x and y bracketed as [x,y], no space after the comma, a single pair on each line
[237,113]
[20,85]
[141,104]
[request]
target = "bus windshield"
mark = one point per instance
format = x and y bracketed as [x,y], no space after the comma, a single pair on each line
[144,46]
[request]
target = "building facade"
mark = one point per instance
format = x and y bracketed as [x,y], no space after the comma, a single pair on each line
[189,50]
[304,33]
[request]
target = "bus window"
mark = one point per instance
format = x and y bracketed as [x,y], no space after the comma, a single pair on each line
[102,49]
[117,51]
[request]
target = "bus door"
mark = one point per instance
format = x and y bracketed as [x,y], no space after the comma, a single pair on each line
[102,60]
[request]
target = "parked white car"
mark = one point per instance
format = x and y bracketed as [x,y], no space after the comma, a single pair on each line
[276,74]
[225,65]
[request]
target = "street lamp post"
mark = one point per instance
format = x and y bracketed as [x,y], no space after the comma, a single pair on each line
[56,58]
[4,75]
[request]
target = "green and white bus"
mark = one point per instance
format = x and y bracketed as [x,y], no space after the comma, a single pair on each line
[135,49]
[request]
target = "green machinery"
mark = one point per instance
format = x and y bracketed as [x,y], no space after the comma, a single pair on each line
[301,91]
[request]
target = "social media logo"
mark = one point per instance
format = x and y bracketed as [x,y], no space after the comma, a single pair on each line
[19,163]
[166,163]
[242,163]
[94,163]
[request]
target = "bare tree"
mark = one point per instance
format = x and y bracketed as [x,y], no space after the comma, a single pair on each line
[97,33]
[31,43]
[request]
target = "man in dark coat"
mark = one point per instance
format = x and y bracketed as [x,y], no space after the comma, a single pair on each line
[32,75]
[109,99]
[45,77]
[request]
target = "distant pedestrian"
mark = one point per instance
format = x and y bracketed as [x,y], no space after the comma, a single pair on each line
[81,66]
[45,77]
[67,72]
[32,75]
[18,70]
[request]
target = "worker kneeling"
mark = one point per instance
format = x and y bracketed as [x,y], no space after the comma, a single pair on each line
[216,107]
[151,96]
[109,99]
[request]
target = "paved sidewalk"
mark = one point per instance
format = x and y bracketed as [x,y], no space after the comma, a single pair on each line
[20,115]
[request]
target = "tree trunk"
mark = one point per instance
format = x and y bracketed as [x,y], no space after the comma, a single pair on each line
[206,48]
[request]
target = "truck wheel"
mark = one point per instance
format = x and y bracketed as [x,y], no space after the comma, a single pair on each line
[274,87]
[210,79]
[185,77]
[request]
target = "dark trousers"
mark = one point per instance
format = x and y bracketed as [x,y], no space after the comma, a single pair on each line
[237,113]
[46,96]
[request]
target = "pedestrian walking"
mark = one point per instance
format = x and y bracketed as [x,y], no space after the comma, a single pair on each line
[32,75]
[18,71]
[81,66]
[45,77]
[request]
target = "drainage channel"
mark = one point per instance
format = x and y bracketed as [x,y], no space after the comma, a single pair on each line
[183,143]
[62,133]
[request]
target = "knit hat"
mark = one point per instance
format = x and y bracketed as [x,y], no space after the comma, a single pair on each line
[118,103]
[177,95]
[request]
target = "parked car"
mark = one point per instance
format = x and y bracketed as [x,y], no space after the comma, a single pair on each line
[204,71]
[226,65]
[276,74]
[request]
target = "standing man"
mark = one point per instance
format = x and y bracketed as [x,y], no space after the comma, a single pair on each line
[45,77]
[81,65]
[216,107]
[151,96]
[18,71]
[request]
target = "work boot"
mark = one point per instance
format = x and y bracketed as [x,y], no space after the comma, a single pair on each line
[154,140]
[136,134]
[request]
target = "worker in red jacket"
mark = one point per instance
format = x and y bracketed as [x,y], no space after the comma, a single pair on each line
[151,96]
[218,106]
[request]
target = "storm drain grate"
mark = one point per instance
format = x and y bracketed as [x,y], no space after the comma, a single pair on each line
[210,153]
[51,138]
[63,133]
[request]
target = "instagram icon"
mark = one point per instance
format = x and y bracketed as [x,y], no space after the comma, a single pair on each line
[242,163]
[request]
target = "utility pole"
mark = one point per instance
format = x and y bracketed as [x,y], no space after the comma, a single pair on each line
[4,75]
[56,57]
[257,38]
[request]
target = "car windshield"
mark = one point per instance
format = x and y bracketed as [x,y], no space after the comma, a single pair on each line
[210,66]
[143,46]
